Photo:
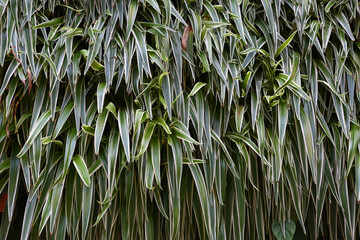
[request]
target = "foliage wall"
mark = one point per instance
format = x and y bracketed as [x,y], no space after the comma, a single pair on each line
[159,119]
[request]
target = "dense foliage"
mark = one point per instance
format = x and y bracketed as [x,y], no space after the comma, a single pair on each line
[159,119]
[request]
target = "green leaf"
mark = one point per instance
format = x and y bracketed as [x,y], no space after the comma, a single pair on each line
[53,22]
[295,67]
[148,132]
[154,4]
[95,64]
[111,108]
[196,88]
[308,137]
[132,11]
[155,157]
[9,72]
[229,161]
[139,115]
[69,149]
[277,229]
[87,195]
[101,91]
[353,145]
[94,167]
[345,24]
[325,127]
[202,192]
[284,44]
[50,62]
[89,130]
[81,168]
[247,141]
[184,135]
[45,213]
[28,218]
[357,178]
[102,213]
[64,115]
[113,150]
[34,132]
[93,51]
[283,119]
[4,165]
[21,120]
[167,92]
[99,129]
[141,42]
[14,172]
[163,124]
[211,24]
[149,173]
[124,131]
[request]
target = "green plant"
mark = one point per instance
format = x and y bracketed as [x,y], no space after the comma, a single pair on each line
[148,119]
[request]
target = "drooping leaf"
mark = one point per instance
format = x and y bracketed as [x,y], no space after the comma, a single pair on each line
[82,170]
